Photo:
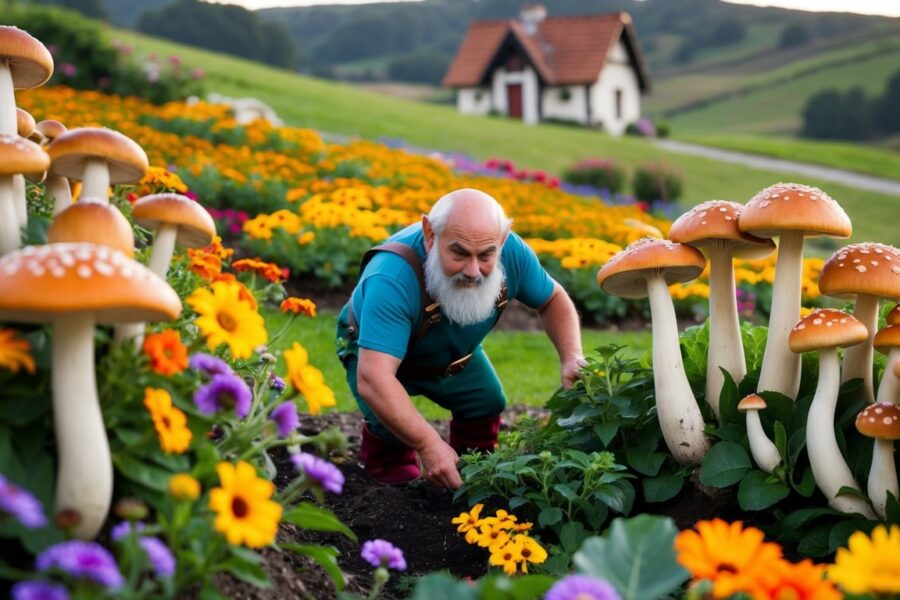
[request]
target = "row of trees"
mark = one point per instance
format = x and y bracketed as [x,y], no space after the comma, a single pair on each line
[851,115]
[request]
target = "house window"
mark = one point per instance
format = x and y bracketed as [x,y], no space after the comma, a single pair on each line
[618,104]
[565,94]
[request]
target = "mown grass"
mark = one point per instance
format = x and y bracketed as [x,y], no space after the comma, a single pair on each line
[509,350]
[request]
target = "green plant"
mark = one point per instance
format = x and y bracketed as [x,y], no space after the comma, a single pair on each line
[657,182]
[602,173]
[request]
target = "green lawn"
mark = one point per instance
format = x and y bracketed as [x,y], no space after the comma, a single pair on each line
[509,350]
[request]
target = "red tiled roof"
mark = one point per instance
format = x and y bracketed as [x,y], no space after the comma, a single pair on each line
[565,50]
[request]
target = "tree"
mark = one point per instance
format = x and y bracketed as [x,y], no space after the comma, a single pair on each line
[822,115]
[793,36]
[95,9]
[887,109]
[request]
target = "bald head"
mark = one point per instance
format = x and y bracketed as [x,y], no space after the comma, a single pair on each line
[468,210]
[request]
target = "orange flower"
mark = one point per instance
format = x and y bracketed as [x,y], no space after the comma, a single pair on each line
[15,353]
[270,271]
[801,581]
[204,264]
[299,306]
[170,422]
[218,249]
[166,352]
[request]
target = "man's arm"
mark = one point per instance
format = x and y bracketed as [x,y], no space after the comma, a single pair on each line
[560,321]
[377,383]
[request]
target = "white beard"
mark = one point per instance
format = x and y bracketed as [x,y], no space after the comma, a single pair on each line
[463,305]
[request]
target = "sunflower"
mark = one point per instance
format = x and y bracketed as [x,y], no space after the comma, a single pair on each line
[166,352]
[15,353]
[869,565]
[734,559]
[225,318]
[307,379]
[801,581]
[244,511]
[170,423]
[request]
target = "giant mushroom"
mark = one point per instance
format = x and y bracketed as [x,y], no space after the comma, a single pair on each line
[826,330]
[57,186]
[645,269]
[881,421]
[174,218]
[24,63]
[90,220]
[765,453]
[17,156]
[713,228]
[887,341]
[73,286]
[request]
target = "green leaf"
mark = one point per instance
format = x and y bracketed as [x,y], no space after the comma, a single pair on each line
[729,399]
[326,556]
[439,586]
[253,574]
[758,491]
[636,556]
[662,487]
[892,509]
[310,516]
[842,531]
[501,587]
[815,543]
[565,490]
[606,432]
[807,484]
[550,516]
[644,461]
[781,439]
[571,536]
[724,465]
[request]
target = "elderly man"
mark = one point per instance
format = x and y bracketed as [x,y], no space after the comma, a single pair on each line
[414,325]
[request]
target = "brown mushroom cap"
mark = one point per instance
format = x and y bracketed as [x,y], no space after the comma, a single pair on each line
[880,420]
[50,128]
[24,122]
[21,156]
[625,273]
[826,328]
[92,221]
[887,338]
[794,207]
[30,63]
[893,317]
[196,227]
[716,221]
[39,282]
[70,152]
[867,268]
[751,402]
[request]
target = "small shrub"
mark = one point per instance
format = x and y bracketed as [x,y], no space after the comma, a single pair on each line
[602,173]
[657,182]
[642,128]
[663,129]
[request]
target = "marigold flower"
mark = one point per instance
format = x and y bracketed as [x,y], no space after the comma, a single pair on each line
[307,237]
[298,306]
[801,581]
[184,487]
[244,510]
[204,264]
[170,422]
[307,379]
[225,318]
[270,271]
[15,353]
[166,352]
[869,565]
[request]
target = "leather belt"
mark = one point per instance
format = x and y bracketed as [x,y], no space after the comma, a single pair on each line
[434,372]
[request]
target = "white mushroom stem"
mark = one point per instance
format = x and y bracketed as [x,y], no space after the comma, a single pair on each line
[84,477]
[58,189]
[781,367]
[858,358]
[829,468]
[882,476]
[95,181]
[21,200]
[10,238]
[163,248]
[889,389]
[679,416]
[726,349]
[8,122]
[765,453]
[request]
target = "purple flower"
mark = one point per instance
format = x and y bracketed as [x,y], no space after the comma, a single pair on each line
[380,553]
[82,560]
[124,529]
[319,471]
[69,70]
[209,364]
[276,383]
[581,587]
[160,555]
[285,416]
[224,392]
[39,590]
[19,503]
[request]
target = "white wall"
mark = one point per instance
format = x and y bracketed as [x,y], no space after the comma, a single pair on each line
[616,74]
[473,101]
[573,109]
[528,78]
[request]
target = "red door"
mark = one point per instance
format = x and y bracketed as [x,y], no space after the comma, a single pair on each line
[514,100]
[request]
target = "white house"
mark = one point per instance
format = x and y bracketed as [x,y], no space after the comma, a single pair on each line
[586,69]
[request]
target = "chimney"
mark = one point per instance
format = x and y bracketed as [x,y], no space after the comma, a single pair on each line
[531,16]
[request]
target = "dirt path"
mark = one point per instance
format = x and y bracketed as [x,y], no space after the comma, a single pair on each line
[848,178]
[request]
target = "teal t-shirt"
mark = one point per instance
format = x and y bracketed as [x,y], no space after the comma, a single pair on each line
[387,302]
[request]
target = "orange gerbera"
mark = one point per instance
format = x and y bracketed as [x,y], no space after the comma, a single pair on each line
[204,264]
[801,581]
[270,271]
[15,353]
[166,352]
[299,306]
[170,423]
[734,559]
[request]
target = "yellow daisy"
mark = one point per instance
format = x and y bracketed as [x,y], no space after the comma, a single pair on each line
[507,556]
[15,353]
[170,422]
[468,520]
[244,510]
[226,318]
[869,565]
[307,379]
[184,487]
[529,550]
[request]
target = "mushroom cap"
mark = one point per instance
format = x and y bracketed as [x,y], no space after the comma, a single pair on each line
[794,207]
[887,338]
[716,222]
[893,317]
[880,420]
[90,220]
[30,63]
[39,283]
[196,227]
[24,122]
[51,129]
[70,152]
[625,273]
[751,402]
[866,268]
[826,328]
[21,156]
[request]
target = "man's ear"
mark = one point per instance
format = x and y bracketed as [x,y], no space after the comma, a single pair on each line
[428,232]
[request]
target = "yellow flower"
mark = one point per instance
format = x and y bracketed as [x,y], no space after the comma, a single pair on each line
[869,565]
[502,519]
[184,487]
[529,550]
[491,535]
[307,379]
[468,520]
[15,353]
[170,422]
[226,318]
[507,556]
[244,511]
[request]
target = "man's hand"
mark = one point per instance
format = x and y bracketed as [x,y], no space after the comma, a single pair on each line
[570,370]
[439,464]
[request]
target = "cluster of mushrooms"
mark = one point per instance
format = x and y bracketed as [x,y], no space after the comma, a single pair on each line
[86,273]
[866,273]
